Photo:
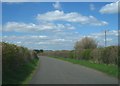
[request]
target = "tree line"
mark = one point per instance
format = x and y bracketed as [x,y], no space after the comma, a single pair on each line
[87,49]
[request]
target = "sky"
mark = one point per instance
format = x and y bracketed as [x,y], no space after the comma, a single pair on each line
[59,0]
[58,25]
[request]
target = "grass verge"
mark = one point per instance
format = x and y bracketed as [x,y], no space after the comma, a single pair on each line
[108,69]
[20,75]
[31,75]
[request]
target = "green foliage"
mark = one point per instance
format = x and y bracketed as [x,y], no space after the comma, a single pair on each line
[18,75]
[85,43]
[96,55]
[86,54]
[39,51]
[18,62]
[107,55]
[71,54]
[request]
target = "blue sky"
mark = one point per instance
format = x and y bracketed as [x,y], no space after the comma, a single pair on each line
[57,26]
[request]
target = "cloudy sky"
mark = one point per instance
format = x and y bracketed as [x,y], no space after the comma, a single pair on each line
[57,26]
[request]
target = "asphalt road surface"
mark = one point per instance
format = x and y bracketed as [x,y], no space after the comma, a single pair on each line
[54,71]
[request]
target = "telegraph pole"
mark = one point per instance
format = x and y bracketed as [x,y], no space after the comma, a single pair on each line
[106,37]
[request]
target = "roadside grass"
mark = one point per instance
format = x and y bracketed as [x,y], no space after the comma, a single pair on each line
[108,69]
[26,81]
[20,75]
[32,73]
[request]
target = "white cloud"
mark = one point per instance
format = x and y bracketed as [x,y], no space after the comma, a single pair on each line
[112,37]
[92,7]
[108,33]
[31,27]
[113,32]
[19,27]
[110,8]
[61,40]
[70,27]
[109,39]
[38,36]
[57,5]
[43,43]
[19,42]
[56,33]
[23,38]
[57,40]
[38,41]
[70,17]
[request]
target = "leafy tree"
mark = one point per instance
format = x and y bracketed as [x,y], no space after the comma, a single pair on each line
[41,51]
[85,43]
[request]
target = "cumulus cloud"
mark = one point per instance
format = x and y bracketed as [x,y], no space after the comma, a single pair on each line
[109,39]
[30,27]
[52,35]
[57,5]
[19,42]
[57,40]
[70,17]
[25,40]
[34,41]
[112,37]
[102,34]
[113,32]
[38,36]
[60,40]
[110,8]
[19,27]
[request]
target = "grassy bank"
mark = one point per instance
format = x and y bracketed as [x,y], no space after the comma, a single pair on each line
[35,66]
[19,76]
[108,69]
[18,63]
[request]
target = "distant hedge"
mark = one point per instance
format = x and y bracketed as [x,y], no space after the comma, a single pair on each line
[107,55]
[17,63]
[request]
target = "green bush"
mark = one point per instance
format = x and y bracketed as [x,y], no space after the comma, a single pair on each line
[96,55]
[110,55]
[103,55]
[85,43]
[71,54]
[16,63]
[86,54]
[107,55]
